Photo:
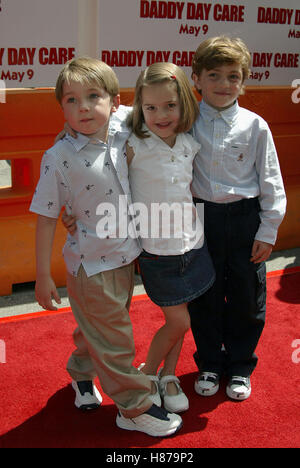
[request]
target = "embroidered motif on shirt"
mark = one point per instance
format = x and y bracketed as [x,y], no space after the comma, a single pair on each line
[87,163]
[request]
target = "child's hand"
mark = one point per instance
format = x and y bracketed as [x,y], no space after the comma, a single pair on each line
[69,223]
[67,129]
[261,251]
[45,292]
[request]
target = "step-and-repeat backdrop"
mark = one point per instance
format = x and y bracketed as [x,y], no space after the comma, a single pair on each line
[38,36]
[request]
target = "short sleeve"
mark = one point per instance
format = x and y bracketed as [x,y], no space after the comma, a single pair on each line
[52,190]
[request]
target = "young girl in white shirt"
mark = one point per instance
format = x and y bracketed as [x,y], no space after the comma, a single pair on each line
[175,264]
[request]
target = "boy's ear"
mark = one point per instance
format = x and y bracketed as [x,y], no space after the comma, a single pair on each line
[115,103]
[196,81]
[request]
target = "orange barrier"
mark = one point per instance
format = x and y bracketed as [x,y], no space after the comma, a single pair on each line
[29,121]
[31,118]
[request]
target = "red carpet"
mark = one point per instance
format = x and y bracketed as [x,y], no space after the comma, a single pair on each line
[36,400]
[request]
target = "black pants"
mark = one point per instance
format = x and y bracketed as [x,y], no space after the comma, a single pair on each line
[232,312]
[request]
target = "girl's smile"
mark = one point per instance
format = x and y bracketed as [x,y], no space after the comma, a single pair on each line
[161,109]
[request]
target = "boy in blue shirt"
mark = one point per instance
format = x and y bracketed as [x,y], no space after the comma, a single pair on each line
[237,177]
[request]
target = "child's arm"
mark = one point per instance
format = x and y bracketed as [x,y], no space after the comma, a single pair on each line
[45,289]
[272,198]
[69,223]
[67,129]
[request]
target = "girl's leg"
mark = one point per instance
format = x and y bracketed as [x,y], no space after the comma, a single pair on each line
[168,340]
[170,366]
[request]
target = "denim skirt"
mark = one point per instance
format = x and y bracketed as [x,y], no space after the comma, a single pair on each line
[176,279]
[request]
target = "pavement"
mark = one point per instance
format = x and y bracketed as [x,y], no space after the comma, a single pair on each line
[22,300]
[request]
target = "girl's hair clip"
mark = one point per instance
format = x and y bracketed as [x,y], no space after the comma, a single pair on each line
[173,77]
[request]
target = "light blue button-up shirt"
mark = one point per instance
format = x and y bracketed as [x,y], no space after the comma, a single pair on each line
[237,160]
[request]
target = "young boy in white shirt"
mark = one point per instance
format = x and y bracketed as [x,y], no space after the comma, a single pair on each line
[85,175]
[237,177]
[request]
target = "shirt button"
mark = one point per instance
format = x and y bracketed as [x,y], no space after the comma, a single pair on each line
[174,180]
[173,158]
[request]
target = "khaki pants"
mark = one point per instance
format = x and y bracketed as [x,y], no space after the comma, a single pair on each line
[104,338]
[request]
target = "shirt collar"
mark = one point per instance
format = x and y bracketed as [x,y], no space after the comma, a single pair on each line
[81,141]
[181,141]
[228,115]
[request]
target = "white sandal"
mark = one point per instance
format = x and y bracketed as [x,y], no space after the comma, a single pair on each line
[173,403]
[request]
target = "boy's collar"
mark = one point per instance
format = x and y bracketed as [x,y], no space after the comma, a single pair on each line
[210,113]
[81,141]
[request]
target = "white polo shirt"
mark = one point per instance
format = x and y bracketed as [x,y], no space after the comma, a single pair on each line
[87,177]
[160,179]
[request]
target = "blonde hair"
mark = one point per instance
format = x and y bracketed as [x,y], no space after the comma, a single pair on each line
[86,70]
[164,72]
[222,50]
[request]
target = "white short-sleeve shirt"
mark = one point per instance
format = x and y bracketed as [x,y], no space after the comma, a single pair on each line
[88,177]
[160,179]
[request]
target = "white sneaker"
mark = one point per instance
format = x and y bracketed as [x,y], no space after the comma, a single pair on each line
[154,397]
[156,422]
[174,403]
[207,384]
[239,388]
[87,395]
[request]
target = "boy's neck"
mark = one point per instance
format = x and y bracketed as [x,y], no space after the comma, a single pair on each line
[220,109]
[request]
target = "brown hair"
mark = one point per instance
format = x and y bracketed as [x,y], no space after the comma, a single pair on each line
[222,50]
[86,70]
[162,72]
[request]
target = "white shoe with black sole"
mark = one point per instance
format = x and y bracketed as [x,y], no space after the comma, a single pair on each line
[156,422]
[87,395]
